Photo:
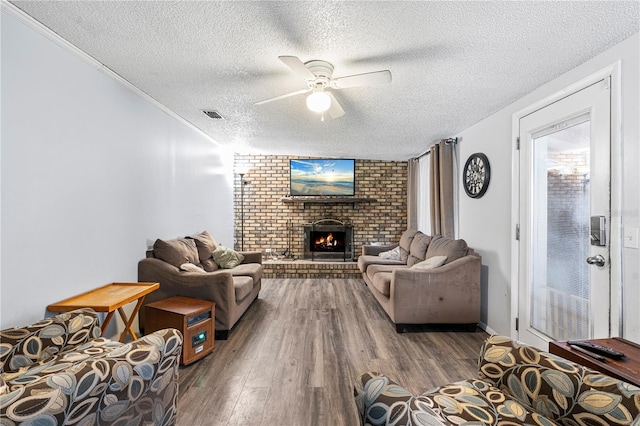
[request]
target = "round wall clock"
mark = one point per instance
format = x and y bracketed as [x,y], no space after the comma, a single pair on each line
[476,174]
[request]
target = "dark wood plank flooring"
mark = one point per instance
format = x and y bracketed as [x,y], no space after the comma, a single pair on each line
[293,357]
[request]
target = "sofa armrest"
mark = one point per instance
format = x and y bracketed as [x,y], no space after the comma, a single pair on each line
[135,380]
[555,387]
[252,256]
[52,335]
[374,250]
[376,395]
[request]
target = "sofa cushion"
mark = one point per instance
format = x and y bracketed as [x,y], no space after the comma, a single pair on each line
[381,276]
[205,244]
[366,260]
[176,252]
[465,402]
[430,263]
[374,269]
[227,258]
[242,286]
[453,249]
[209,265]
[405,244]
[253,270]
[418,249]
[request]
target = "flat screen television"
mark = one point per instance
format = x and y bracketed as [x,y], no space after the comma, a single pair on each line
[322,177]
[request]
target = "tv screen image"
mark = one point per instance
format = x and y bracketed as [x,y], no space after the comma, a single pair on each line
[322,176]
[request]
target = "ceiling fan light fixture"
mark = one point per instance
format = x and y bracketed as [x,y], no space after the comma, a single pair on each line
[318,101]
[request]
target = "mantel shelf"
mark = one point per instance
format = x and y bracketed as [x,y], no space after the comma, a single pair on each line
[326,200]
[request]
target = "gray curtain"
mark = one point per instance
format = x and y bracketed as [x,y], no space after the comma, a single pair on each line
[442,189]
[413,185]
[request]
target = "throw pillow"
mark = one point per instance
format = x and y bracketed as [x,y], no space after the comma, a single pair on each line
[393,254]
[430,263]
[206,244]
[227,258]
[176,252]
[190,267]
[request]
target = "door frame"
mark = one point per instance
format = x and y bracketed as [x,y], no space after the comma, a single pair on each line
[613,72]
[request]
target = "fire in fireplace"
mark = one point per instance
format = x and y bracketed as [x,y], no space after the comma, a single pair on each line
[331,241]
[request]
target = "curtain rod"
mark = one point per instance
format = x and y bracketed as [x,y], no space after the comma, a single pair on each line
[448,141]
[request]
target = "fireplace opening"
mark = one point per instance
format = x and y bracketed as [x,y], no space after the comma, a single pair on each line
[328,239]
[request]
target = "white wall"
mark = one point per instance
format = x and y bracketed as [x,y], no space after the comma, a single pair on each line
[92,173]
[486,222]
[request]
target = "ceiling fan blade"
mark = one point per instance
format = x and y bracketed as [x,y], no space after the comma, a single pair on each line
[335,110]
[298,92]
[366,79]
[298,67]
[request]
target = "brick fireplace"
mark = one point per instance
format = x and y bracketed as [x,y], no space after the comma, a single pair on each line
[272,223]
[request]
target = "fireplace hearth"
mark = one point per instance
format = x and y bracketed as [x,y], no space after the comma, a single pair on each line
[328,239]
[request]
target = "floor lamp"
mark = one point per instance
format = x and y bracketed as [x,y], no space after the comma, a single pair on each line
[242,184]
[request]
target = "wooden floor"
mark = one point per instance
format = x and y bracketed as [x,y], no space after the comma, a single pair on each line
[293,357]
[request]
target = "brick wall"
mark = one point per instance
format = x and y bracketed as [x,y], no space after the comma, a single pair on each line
[269,223]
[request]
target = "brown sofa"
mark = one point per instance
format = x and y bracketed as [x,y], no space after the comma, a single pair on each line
[447,294]
[232,289]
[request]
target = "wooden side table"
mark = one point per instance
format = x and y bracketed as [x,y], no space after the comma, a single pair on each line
[194,318]
[627,368]
[110,298]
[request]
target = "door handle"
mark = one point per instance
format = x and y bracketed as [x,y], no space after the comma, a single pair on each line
[597,260]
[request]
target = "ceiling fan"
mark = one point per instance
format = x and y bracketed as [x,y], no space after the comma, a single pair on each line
[318,76]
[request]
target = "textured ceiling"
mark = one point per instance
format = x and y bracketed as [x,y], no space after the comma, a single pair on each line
[453,63]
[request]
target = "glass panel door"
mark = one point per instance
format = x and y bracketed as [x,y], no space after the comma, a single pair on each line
[561,185]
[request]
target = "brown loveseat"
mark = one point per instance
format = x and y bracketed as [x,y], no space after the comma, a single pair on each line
[232,289]
[411,294]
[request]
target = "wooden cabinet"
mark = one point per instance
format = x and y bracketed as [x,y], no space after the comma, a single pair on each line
[194,318]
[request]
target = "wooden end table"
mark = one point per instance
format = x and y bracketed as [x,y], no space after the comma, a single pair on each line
[627,368]
[194,318]
[110,298]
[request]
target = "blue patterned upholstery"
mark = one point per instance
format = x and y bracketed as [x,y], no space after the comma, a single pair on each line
[516,384]
[58,371]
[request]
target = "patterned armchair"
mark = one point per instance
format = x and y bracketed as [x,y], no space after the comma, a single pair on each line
[59,371]
[516,384]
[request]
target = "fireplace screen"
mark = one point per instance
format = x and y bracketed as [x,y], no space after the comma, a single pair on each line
[328,239]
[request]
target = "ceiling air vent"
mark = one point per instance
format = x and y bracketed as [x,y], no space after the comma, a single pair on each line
[213,114]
